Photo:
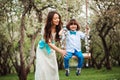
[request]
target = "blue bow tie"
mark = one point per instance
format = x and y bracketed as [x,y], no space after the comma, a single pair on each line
[73,32]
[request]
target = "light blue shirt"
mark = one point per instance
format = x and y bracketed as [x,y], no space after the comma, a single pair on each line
[73,42]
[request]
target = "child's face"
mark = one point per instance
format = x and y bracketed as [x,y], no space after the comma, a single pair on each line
[73,27]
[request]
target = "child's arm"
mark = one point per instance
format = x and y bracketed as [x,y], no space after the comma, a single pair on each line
[61,31]
[85,34]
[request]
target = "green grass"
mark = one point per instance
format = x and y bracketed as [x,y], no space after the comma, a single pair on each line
[87,74]
[92,74]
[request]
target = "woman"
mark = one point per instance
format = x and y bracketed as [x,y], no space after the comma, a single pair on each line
[46,63]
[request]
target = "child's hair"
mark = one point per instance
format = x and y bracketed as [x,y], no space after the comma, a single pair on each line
[71,22]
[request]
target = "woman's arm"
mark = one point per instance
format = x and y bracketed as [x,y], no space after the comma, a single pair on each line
[63,52]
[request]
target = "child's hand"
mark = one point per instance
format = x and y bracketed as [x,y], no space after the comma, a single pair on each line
[87,30]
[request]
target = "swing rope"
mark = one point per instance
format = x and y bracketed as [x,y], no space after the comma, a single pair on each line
[86,11]
[87,42]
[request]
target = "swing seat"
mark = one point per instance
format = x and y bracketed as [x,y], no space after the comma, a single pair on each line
[86,56]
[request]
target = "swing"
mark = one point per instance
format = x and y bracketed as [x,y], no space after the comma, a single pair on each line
[87,54]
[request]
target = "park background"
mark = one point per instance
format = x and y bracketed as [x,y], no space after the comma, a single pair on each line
[20,26]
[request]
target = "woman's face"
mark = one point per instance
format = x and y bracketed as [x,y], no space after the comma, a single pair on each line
[56,19]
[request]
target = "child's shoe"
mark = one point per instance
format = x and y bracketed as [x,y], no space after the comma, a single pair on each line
[67,72]
[78,71]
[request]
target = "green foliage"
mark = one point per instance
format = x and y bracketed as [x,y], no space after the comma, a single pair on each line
[10,21]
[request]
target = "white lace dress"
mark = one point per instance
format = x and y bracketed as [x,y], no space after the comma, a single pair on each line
[46,65]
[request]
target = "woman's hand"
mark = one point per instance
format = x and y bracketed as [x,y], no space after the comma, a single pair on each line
[63,52]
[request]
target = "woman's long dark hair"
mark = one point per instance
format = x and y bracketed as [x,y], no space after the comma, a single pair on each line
[47,29]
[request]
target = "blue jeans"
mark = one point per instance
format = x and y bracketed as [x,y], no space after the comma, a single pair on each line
[69,56]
